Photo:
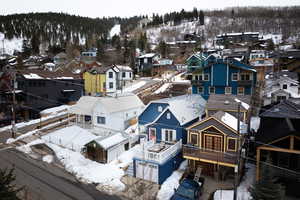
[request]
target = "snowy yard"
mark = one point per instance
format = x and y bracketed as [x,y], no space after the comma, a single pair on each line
[163,88]
[167,188]
[134,86]
[242,191]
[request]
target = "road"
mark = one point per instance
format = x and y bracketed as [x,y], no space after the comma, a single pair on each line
[46,181]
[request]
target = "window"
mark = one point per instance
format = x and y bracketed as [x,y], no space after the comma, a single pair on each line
[231,144]
[101,120]
[284,86]
[104,85]
[168,116]
[110,75]
[160,109]
[123,74]
[281,98]
[168,135]
[240,90]
[194,139]
[196,77]
[227,90]
[111,85]
[234,76]
[212,90]
[145,60]
[200,90]
[152,133]
[206,77]
[245,77]
[130,74]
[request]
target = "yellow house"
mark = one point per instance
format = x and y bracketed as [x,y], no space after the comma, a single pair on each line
[95,81]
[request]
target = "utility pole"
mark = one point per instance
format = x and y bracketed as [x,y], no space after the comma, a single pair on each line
[236,170]
[13,122]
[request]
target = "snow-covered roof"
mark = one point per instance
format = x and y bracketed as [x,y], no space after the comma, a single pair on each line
[148,55]
[72,137]
[32,76]
[111,141]
[84,106]
[185,108]
[124,68]
[231,121]
[120,103]
[254,123]
[55,109]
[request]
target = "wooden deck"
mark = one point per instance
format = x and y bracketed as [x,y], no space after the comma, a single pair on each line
[194,153]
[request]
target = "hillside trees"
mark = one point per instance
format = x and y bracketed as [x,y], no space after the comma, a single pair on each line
[8,189]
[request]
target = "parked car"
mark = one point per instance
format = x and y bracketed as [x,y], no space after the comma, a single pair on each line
[189,189]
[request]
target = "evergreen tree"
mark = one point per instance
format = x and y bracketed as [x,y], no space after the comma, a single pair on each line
[100,50]
[26,49]
[8,190]
[126,52]
[266,188]
[163,49]
[132,47]
[201,17]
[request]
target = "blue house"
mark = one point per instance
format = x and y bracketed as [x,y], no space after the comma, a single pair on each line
[214,75]
[164,122]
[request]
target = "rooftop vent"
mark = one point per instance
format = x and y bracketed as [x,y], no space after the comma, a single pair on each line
[226,102]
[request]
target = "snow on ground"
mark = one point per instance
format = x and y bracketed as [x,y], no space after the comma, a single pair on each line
[55,110]
[35,121]
[242,190]
[127,157]
[135,86]
[12,45]
[254,123]
[116,30]
[26,148]
[179,79]
[167,188]
[11,140]
[48,158]
[163,88]
[71,137]
[89,171]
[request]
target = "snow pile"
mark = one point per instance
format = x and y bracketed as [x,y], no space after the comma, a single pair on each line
[48,158]
[242,190]
[167,188]
[245,105]
[126,158]
[179,79]
[55,110]
[163,88]
[116,30]
[136,86]
[89,171]
[72,137]
[26,148]
[12,140]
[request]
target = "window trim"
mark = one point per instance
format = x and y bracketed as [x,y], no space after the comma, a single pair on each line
[202,90]
[237,91]
[228,92]
[159,108]
[168,115]
[151,128]
[109,84]
[206,74]
[237,76]
[190,138]
[163,135]
[235,144]
[210,87]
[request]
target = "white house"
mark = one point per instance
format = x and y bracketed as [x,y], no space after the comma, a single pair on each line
[117,113]
[107,113]
[111,79]
[281,87]
[125,75]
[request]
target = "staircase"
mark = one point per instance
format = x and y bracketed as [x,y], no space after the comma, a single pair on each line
[129,170]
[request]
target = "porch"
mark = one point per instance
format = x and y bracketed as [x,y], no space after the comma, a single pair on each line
[209,156]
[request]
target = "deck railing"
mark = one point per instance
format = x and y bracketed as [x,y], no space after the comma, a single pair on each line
[206,154]
[169,151]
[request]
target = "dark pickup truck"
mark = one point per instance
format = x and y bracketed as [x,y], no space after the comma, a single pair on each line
[189,189]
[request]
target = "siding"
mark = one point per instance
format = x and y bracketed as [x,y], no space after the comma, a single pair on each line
[151,113]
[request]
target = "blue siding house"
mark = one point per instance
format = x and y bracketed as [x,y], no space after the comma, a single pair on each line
[164,122]
[214,75]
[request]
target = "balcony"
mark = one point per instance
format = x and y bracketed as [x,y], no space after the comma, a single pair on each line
[244,83]
[213,156]
[197,82]
[158,152]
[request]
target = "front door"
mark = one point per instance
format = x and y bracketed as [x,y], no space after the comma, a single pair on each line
[213,142]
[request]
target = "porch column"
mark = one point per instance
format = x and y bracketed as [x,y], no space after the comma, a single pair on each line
[257,163]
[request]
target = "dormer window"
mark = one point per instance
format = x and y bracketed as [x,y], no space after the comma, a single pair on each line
[168,116]
[160,109]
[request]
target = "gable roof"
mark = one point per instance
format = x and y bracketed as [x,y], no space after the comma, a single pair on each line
[148,55]
[185,108]
[120,103]
[84,106]
[230,121]
[284,109]
[227,102]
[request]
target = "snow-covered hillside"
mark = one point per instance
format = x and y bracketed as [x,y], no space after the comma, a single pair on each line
[116,30]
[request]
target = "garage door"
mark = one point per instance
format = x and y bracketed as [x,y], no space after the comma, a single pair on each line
[147,171]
